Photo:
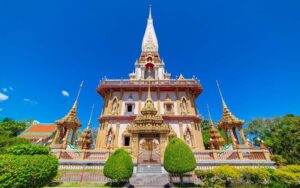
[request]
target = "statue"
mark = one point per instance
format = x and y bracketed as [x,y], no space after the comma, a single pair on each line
[109,139]
[114,106]
[183,106]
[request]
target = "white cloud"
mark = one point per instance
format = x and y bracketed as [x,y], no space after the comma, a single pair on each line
[3,97]
[4,89]
[29,101]
[65,93]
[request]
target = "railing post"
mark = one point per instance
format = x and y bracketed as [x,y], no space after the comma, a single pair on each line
[267,155]
[240,154]
[82,155]
[215,156]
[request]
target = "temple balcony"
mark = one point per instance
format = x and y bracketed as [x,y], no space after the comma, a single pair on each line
[163,85]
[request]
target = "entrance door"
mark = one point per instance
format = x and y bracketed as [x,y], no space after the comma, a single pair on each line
[149,151]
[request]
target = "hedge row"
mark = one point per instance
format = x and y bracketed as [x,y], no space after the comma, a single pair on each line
[27,170]
[288,176]
[28,149]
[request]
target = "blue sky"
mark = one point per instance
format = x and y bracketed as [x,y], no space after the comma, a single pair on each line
[251,47]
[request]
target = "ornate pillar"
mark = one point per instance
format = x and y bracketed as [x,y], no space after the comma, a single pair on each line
[135,145]
[156,72]
[178,102]
[143,72]
[162,144]
[65,139]
[243,136]
[140,102]
[54,141]
[232,137]
[73,135]
[235,135]
[181,130]
[189,102]
[117,135]
[158,101]
[194,136]
[121,102]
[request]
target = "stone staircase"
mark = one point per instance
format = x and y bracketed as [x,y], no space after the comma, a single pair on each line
[149,180]
[149,169]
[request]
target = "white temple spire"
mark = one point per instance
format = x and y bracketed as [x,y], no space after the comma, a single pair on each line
[150,43]
[150,14]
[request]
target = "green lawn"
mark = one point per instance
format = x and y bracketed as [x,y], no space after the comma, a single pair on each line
[77,184]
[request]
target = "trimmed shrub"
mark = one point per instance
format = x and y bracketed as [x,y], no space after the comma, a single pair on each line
[286,178]
[27,170]
[119,166]
[28,149]
[6,142]
[291,168]
[225,175]
[258,176]
[179,158]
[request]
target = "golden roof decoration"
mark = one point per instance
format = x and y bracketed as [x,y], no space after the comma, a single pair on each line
[149,107]
[228,119]
[181,77]
[71,118]
[85,139]
[215,137]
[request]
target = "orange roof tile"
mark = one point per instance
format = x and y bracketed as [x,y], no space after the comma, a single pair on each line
[42,128]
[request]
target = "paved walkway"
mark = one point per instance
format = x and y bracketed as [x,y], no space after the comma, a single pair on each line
[149,180]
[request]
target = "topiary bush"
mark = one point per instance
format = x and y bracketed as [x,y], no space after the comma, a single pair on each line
[119,166]
[179,158]
[28,149]
[225,175]
[27,170]
[255,176]
[291,168]
[286,179]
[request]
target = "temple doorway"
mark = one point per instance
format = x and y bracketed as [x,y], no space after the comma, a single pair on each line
[149,150]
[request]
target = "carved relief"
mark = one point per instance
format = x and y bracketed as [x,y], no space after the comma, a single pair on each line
[184,106]
[109,138]
[115,106]
[188,137]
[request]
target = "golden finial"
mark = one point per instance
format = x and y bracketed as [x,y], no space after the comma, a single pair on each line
[91,115]
[150,7]
[223,102]
[78,94]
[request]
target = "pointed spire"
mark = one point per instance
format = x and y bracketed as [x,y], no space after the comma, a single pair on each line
[150,43]
[71,117]
[209,116]
[150,14]
[227,118]
[91,115]
[223,102]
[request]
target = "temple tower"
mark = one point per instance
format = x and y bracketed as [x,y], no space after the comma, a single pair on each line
[85,140]
[230,123]
[216,141]
[150,106]
[68,124]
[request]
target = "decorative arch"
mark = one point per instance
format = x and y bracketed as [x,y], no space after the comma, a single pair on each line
[184,105]
[109,138]
[115,105]
[188,136]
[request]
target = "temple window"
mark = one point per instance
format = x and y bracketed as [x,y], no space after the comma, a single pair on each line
[129,108]
[169,107]
[126,141]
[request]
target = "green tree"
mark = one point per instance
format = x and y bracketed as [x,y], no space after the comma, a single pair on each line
[179,158]
[11,127]
[119,166]
[280,134]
